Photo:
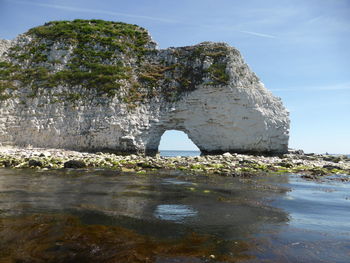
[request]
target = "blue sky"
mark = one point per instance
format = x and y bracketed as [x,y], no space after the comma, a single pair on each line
[298,48]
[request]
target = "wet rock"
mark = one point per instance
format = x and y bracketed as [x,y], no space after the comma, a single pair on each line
[318,171]
[74,164]
[147,165]
[237,165]
[35,163]
[310,177]
[296,151]
[6,163]
[331,158]
[285,164]
[246,162]
[330,167]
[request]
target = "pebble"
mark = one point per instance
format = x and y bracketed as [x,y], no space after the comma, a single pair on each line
[313,166]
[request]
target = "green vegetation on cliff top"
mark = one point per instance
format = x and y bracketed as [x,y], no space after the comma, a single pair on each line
[102,56]
[94,61]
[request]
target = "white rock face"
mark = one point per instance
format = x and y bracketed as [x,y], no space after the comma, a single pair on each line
[4,45]
[238,116]
[225,120]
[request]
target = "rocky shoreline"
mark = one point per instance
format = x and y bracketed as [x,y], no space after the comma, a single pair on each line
[310,166]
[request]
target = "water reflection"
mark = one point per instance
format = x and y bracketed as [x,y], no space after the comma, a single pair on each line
[319,206]
[221,210]
[175,217]
[176,213]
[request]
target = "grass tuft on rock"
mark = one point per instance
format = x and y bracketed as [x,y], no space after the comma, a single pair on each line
[106,58]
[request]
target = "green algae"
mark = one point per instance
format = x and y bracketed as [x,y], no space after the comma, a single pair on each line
[226,166]
[63,238]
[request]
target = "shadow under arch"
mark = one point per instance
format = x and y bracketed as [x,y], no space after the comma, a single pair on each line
[171,139]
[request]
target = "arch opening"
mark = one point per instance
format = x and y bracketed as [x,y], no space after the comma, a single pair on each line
[177,143]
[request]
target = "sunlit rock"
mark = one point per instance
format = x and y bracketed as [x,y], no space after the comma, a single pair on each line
[104,86]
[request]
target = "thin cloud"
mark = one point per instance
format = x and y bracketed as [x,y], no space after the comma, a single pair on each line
[342,86]
[230,28]
[315,19]
[96,11]
[256,34]
[112,13]
[335,87]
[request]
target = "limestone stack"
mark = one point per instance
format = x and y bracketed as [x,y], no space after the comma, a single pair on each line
[93,85]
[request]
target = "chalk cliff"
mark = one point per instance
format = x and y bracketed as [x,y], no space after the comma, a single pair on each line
[105,86]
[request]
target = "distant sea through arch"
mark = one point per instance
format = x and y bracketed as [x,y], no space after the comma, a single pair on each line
[174,153]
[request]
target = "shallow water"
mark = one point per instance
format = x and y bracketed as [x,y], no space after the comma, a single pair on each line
[107,216]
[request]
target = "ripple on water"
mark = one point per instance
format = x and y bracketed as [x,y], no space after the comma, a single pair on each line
[173,212]
[174,181]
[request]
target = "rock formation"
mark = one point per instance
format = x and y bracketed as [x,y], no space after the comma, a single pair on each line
[104,86]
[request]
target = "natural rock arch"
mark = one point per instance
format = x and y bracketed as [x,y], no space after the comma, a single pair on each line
[153,146]
[115,91]
[216,123]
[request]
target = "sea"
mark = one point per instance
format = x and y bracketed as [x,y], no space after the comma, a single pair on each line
[172,153]
[105,215]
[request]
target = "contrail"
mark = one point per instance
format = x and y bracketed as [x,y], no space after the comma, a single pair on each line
[95,11]
[256,34]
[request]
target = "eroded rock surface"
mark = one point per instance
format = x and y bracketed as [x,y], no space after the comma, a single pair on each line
[96,85]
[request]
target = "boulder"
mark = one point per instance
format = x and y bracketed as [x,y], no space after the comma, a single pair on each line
[74,164]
